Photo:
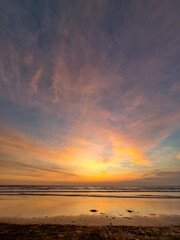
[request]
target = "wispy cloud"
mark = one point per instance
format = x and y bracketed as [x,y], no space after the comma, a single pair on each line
[103,77]
[33,90]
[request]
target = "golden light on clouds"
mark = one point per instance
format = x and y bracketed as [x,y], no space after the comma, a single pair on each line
[89,92]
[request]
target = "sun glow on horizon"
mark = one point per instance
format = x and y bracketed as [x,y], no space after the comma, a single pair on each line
[89,92]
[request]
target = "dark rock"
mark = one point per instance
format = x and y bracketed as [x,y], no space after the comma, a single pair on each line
[93,210]
[128,210]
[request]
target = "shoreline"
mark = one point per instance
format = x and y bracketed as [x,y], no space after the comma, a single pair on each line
[98,219]
[93,196]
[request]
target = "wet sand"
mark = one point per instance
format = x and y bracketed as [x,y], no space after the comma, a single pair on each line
[51,217]
[51,231]
[99,219]
[51,206]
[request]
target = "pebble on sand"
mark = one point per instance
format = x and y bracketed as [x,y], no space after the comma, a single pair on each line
[128,210]
[93,210]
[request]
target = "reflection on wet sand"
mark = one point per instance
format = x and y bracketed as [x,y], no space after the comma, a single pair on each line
[79,209]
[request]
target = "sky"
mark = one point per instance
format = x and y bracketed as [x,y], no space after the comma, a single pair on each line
[90,92]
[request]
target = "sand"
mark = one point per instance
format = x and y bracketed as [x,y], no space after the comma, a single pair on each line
[91,227]
[72,232]
[100,219]
[71,218]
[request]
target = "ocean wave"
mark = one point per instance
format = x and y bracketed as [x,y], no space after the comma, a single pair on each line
[92,191]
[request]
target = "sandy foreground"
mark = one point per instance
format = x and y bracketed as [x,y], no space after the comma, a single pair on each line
[99,219]
[91,227]
[56,231]
[28,217]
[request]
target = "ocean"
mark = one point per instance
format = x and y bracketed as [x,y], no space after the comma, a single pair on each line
[109,191]
[74,204]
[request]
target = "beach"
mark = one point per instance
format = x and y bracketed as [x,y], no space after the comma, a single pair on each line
[46,231]
[46,212]
[89,119]
[91,227]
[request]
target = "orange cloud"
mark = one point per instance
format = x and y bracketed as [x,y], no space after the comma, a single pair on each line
[80,158]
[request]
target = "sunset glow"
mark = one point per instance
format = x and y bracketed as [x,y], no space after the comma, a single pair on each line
[89,92]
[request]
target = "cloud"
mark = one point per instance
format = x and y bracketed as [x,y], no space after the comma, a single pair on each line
[175,87]
[22,157]
[157,178]
[34,83]
[102,76]
[3,76]
[34,166]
